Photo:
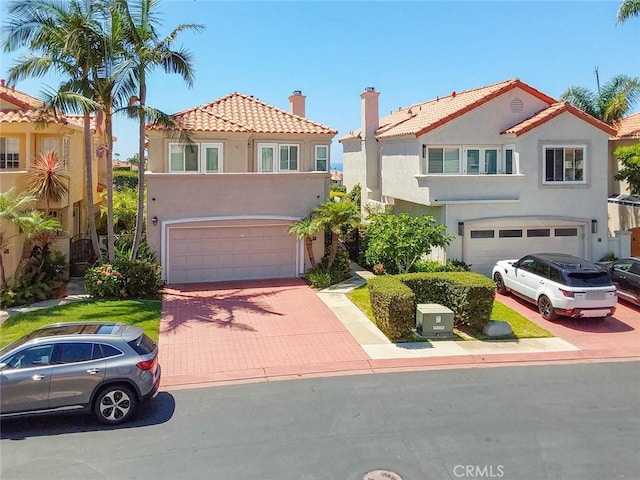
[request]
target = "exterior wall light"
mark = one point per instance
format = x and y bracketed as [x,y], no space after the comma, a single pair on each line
[154,220]
[461,229]
[594,226]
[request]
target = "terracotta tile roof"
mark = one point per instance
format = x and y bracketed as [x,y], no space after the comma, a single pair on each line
[421,118]
[553,111]
[629,127]
[30,110]
[241,113]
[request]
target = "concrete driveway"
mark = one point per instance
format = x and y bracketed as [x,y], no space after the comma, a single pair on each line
[251,330]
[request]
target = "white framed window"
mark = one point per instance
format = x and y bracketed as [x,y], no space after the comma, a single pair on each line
[9,153]
[66,151]
[322,158]
[482,160]
[509,160]
[274,157]
[195,158]
[289,158]
[443,160]
[564,164]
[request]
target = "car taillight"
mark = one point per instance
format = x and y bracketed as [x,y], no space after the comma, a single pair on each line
[567,293]
[147,364]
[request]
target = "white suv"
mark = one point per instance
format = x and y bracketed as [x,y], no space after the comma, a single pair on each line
[559,284]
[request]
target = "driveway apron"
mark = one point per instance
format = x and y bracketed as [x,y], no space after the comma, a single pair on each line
[249,330]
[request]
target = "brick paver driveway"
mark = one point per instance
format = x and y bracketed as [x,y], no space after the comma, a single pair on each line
[251,330]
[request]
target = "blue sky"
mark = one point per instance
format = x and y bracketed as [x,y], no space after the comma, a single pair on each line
[408,51]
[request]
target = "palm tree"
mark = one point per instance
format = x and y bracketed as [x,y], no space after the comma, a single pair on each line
[628,9]
[305,229]
[335,216]
[35,227]
[62,37]
[610,103]
[47,179]
[12,209]
[146,51]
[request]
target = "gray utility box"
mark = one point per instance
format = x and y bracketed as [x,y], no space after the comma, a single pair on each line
[433,320]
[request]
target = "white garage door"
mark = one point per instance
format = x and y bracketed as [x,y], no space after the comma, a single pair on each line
[220,253]
[487,245]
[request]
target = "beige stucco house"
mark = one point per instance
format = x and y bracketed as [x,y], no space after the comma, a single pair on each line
[219,209]
[507,168]
[21,139]
[624,208]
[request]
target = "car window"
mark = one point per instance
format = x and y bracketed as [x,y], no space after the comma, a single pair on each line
[590,279]
[526,263]
[622,266]
[72,352]
[143,345]
[30,357]
[101,350]
[540,268]
[555,275]
[635,268]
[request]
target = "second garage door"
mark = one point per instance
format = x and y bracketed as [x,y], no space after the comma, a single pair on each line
[486,245]
[220,253]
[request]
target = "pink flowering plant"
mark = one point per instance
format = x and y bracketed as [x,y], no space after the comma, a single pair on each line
[104,281]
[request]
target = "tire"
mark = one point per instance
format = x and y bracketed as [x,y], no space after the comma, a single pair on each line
[545,307]
[500,288]
[115,404]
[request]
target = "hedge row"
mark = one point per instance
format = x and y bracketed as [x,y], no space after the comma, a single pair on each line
[394,299]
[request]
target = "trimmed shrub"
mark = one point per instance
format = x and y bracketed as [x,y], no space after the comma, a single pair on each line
[394,299]
[320,276]
[124,178]
[393,305]
[426,266]
[104,281]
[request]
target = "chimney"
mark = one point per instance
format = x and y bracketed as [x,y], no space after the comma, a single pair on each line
[296,103]
[369,106]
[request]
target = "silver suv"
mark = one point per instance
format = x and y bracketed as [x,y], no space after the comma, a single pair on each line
[105,368]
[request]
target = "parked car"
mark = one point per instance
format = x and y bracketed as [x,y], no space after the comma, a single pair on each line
[104,368]
[625,275]
[560,284]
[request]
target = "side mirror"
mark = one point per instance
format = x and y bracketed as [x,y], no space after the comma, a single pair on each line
[3,366]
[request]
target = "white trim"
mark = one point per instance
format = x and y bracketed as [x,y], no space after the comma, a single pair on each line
[564,146]
[315,158]
[276,157]
[201,159]
[288,146]
[203,149]
[166,224]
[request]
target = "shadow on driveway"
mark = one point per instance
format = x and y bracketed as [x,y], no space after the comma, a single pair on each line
[219,304]
[157,411]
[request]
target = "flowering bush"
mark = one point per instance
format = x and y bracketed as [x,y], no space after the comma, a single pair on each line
[104,281]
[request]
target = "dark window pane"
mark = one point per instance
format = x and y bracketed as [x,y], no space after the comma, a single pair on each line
[436,160]
[101,350]
[566,232]
[555,275]
[509,233]
[600,279]
[539,232]
[482,234]
[143,345]
[72,352]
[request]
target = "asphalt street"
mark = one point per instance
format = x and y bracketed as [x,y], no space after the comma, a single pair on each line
[533,423]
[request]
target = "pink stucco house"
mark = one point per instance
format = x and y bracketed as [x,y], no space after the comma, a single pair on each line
[219,209]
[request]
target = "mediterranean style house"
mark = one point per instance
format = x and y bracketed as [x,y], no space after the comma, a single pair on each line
[219,208]
[624,208]
[21,139]
[508,169]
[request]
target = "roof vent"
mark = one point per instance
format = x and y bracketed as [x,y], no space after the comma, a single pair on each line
[453,94]
[297,92]
[517,105]
[370,89]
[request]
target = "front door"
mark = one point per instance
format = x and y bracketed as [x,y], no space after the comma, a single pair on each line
[25,380]
[635,242]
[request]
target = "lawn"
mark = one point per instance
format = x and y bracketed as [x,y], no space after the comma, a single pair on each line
[143,313]
[522,328]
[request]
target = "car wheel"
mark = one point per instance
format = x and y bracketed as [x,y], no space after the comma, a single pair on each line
[500,288]
[545,307]
[115,404]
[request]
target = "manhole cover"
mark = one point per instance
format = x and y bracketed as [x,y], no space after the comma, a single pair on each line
[382,475]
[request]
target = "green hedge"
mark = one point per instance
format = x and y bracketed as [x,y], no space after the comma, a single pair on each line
[394,299]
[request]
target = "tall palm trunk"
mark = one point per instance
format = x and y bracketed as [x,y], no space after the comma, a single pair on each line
[3,278]
[137,238]
[88,168]
[108,124]
[334,248]
[308,243]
